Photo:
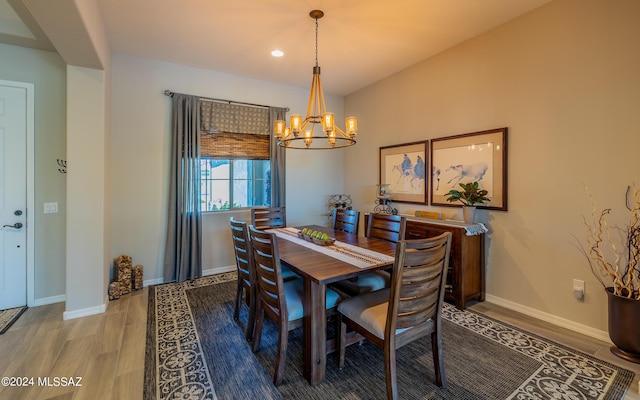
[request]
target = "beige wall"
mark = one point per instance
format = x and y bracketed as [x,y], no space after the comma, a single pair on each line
[47,72]
[86,191]
[140,147]
[564,80]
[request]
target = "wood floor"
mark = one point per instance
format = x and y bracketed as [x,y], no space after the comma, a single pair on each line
[107,350]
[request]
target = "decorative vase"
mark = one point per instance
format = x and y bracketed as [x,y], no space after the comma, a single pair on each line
[624,326]
[469,214]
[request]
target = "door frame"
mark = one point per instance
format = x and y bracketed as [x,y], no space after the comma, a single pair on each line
[31,211]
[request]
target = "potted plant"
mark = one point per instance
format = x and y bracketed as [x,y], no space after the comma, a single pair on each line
[470,196]
[618,270]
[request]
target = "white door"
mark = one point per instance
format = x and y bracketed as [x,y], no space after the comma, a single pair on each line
[13,195]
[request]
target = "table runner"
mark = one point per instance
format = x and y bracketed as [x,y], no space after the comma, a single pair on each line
[354,255]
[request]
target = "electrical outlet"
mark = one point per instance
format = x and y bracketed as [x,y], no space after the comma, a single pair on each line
[578,289]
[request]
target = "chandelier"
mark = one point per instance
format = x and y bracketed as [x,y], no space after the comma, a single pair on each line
[300,134]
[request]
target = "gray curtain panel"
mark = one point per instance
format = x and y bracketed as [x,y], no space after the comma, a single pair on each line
[277,160]
[183,252]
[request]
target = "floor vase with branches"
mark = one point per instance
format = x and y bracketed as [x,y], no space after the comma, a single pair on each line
[619,273]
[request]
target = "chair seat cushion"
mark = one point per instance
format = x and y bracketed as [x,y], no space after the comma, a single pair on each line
[368,310]
[365,283]
[288,274]
[294,293]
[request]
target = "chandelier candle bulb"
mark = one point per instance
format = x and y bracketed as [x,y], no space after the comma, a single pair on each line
[296,123]
[280,128]
[352,126]
[327,122]
[308,137]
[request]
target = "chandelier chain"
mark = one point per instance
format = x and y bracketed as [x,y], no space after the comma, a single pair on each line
[316,42]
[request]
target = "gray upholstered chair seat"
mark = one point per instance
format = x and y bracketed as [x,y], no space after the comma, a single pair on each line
[365,283]
[288,274]
[294,292]
[369,311]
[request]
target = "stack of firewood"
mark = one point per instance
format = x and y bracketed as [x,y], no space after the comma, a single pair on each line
[127,277]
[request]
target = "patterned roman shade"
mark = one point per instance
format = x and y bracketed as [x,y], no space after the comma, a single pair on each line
[217,116]
[230,131]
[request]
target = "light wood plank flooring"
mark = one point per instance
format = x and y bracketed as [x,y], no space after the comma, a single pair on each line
[107,350]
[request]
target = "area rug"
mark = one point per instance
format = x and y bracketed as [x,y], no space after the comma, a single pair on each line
[196,351]
[9,316]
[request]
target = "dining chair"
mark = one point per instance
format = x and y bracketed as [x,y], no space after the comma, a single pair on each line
[386,226]
[410,309]
[246,275]
[379,226]
[345,220]
[267,218]
[280,300]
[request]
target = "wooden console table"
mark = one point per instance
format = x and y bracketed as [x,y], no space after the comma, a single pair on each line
[466,275]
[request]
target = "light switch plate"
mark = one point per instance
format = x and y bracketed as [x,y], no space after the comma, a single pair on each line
[50,208]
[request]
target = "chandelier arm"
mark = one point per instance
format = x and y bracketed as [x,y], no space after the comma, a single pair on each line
[341,132]
[316,88]
[304,124]
[322,106]
[312,102]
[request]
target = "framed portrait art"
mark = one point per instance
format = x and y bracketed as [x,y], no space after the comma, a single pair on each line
[403,167]
[472,157]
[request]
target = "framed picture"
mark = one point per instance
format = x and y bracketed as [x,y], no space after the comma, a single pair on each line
[403,167]
[471,157]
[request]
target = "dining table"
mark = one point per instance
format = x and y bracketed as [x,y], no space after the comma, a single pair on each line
[350,256]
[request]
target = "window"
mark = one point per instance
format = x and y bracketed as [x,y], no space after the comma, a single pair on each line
[234,183]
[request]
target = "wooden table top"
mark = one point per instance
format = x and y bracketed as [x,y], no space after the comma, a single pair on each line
[325,269]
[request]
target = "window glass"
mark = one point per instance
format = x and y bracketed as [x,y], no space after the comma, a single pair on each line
[231,184]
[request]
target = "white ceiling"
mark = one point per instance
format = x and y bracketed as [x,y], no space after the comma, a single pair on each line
[360,41]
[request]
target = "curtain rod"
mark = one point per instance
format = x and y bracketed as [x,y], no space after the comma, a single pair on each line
[170,94]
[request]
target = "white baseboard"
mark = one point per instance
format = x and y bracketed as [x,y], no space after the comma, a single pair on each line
[553,319]
[84,312]
[43,301]
[206,272]
[155,281]
[219,270]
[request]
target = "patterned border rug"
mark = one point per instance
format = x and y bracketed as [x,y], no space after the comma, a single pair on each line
[9,316]
[196,351]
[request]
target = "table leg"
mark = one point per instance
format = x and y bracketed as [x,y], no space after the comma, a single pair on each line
[315,332]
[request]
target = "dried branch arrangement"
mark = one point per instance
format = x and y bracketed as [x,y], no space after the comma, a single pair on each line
[607,262]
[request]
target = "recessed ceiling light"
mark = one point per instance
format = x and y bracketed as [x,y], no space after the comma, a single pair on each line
[277,53]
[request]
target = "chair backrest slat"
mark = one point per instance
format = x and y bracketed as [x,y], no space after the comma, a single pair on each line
[387,227]
[418,281]
[268,273]
[268,218]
